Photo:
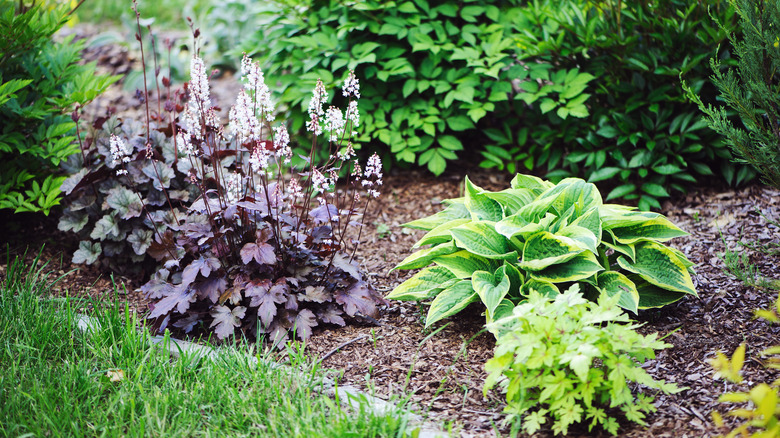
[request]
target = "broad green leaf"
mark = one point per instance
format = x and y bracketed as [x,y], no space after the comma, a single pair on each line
[561,197]
[512,200]
[658,228]
[660,266]
[480,238]
[580,267]
[530,182]
[481,206]
[463,263]
[590,220]
[516,278]
[450,301]
[491,288]
[503,309]
[544,288]
[517,225]
[651,296]
[441,233]
[627,250]
[615,283]
[423,258]
[456,210]
[581,235]
[423,285]
[544,249]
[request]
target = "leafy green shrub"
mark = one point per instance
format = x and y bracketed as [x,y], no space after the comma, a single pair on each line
[642,136]
[498,246]
[753,93]
[571,360]
[431,69]
[40,80]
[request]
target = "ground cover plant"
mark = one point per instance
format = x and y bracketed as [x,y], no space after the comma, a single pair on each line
[41,82]
[112,380]
[571,360]
[496,247]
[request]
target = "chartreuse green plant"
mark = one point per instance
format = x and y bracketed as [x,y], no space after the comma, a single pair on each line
[570,360]
[761,418]
[751,89]
[40,80]
[497,247]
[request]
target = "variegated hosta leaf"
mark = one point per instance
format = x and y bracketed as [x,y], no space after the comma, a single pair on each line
[590,220]
[651,296]
[627,250]
[482,208]
[456,210]
[534,183]
[571,192]
[658,228]
[512,200]
[543,287]
[581,235]
[424,257]
[451,301]
[518,226]
[441,233]
[491,288]
[481,238]
[423,285]
[544,249]
[463,263]
[659,266]
[614,283]
[581,266]
[516,278]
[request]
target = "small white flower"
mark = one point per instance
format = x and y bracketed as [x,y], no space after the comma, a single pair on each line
[373,175]
[319,97]
[199,81]
[259,158]
[120,151]
[353,115]
[233,191]
[351,86]
[243,122]
[320,181]
[254,81]
[294,188]
[282,143]
[183,143]
[348,153]
[334,123]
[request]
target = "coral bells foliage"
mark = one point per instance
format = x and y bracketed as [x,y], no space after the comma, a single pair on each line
[265,249]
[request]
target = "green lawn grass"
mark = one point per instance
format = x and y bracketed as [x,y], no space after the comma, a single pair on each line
[56,380]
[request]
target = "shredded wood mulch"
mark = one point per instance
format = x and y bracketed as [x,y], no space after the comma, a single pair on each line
[441,370]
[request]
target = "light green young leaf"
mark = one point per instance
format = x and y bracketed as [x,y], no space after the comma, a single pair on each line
[491,288]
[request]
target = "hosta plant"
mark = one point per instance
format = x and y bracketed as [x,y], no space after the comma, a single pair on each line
[496,247]
[264,249]
[571,361]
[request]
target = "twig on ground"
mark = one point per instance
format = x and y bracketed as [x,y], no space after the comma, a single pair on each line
[335,350]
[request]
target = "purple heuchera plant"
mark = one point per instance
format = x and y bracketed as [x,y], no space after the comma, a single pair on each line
[265,249]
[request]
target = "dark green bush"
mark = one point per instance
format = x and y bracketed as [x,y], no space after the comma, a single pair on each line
[40,81]
[754,93]
[642,137]
[570,87]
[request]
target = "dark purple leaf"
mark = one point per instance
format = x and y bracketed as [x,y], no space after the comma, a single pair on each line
[201,265]
[211,288]
[200,205]
[180,298]
[265,297]
[262,253]
[259,205]
[332,315]
[304,322]
[358,298]
[156,288]
[318,234]
[321,214]
[188,323]
[341,261]
[292,303]
[225,320]
[316,294]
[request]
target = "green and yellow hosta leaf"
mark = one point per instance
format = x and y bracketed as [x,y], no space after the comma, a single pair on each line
[582,235]
[451,301]
[423,257]
[481,238]
[560,198]
[516,278]
[615,283]
[544,249]
[456,210]
[652,296]
[658,228]
[423,285]
[441,233]
[518,226]
[582,266]
[660,266]
[463,263]
[590,220]
[481,207]
[627,250]
[542,287]
[491,288]
[534,183]
[512,200]
[621,216]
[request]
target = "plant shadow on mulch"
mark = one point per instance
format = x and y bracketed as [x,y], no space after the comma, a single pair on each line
[442,369]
